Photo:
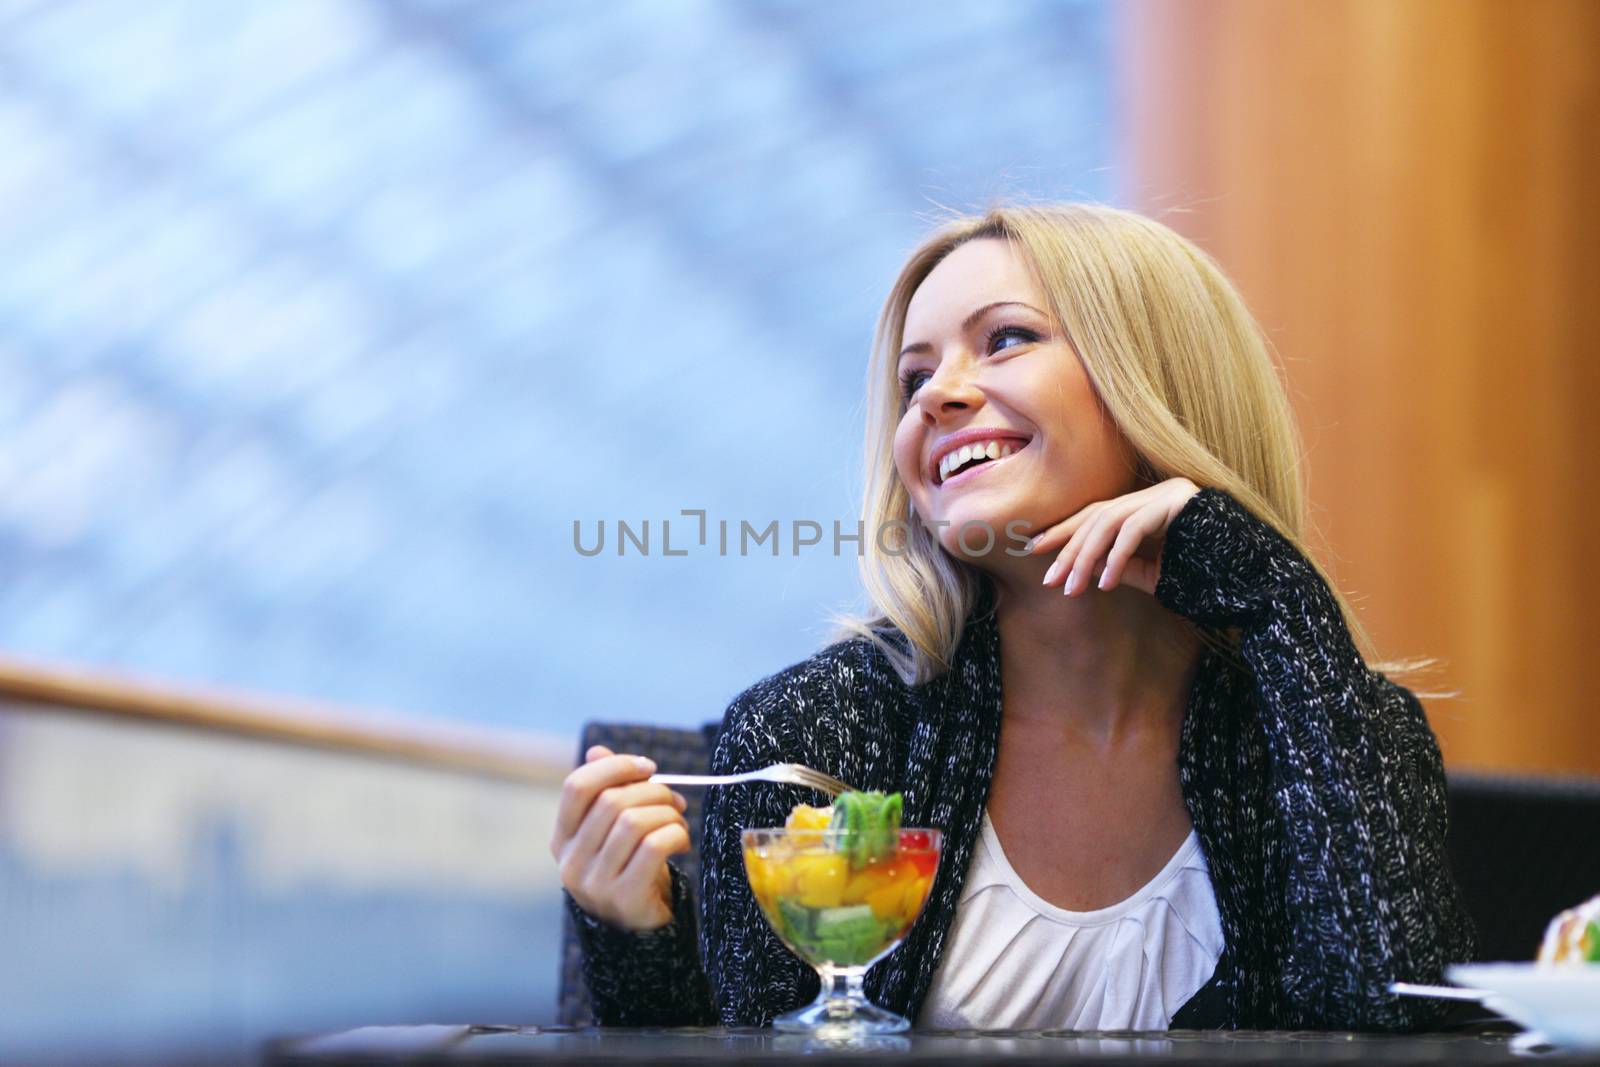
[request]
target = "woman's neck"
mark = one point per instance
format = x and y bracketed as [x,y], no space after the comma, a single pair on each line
[1101,666]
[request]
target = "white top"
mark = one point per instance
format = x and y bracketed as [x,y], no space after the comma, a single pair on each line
[1013,961]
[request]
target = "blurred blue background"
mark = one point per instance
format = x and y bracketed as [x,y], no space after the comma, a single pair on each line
[321,323]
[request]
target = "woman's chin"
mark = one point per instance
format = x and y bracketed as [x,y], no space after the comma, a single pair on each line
[974,533]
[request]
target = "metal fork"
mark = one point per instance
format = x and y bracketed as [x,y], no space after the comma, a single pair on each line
[786,773]
[1443,992]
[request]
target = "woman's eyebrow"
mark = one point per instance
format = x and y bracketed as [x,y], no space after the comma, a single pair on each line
[967,324]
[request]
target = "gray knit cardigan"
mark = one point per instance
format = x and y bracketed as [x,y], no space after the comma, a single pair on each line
[1315,786]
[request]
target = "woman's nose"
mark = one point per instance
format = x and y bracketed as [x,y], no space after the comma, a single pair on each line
[952,388]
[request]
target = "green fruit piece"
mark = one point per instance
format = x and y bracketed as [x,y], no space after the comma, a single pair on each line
[867,840]
[862,944]
[839,922]
[848,936]
[843,953]
[872,824]
[800,921]
[847,814]
[845,930]
[1594,941]
[886,834]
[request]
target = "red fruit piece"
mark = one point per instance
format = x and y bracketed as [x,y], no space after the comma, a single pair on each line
[917,848]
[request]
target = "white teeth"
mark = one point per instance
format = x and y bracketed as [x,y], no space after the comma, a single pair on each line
[953,461]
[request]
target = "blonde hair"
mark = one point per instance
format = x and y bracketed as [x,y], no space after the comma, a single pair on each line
[1177,361]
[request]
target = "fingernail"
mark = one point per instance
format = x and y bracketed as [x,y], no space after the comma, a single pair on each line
[645,764]
[1055,568]
[1033,542]
[1104,575]
[1072,584]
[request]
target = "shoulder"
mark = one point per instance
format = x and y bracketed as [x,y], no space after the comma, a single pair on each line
[1395,695]
[1407,717]
[809,706]
[826,680]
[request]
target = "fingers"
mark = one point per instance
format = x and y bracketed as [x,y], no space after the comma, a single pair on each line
[610,814]
[628,834]
[614,831]
[642,892]
[1092,541]
[1142,574]
[583,785]
[614,803]
[1136,529]
[1055,536]
[644,866]
[1105,541]
[1076,559]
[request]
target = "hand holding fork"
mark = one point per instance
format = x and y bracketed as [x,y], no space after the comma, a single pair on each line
[618,822]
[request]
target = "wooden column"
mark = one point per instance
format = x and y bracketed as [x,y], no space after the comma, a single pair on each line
[1408,194]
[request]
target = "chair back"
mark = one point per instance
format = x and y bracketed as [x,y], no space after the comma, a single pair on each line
[675,751]
[1522,848]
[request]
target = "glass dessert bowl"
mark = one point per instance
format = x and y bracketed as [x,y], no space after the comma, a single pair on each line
[841,887]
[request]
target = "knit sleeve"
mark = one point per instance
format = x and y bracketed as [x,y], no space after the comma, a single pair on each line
[652,978]
[1361,893]
[752,976]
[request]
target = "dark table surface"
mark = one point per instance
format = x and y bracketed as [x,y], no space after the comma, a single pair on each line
[535,1044]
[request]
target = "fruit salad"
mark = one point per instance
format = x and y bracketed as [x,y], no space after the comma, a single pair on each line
[1573,937]
[842,885]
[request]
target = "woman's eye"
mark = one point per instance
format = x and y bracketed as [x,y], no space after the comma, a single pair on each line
[913,380]
[1018,333]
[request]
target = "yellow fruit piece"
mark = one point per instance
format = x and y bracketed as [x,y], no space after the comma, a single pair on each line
[912,897]
[805,825]
[819,881]
[757,870]
[887,901]
[860,884]
[869,880]
[805,817]
[770,875]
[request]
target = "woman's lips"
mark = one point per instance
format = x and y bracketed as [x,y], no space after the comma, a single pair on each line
[949,445]
[961,477]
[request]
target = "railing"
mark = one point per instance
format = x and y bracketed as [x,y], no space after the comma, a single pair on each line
[520,757]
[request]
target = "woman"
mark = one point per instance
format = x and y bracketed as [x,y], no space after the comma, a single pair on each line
[1181,798]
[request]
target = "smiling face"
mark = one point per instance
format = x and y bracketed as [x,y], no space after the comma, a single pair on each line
[984,367]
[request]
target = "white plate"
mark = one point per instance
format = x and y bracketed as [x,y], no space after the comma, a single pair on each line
[1562,1003]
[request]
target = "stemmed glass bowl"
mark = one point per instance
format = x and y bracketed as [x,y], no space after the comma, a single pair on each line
[841,900]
